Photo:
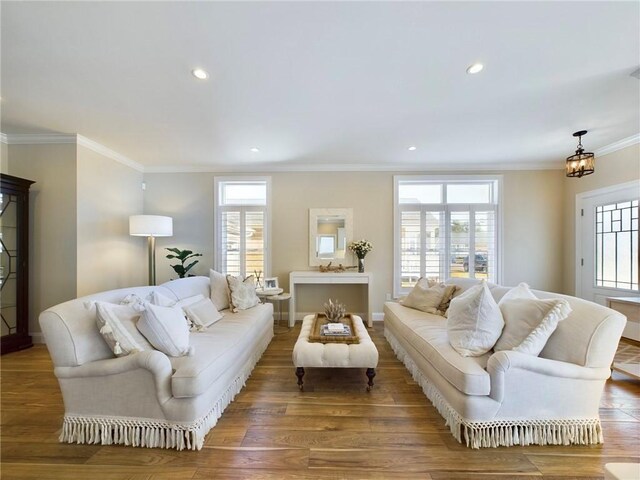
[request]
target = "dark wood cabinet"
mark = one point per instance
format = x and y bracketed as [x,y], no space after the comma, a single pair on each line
[14,264]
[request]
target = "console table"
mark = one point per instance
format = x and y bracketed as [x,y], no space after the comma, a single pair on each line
[320,278]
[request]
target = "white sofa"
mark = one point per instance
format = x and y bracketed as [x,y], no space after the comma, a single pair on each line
[509,398]
[148,399]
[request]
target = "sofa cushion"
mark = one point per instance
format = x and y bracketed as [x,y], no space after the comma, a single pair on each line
[218,349]
[475,322]
[427,333]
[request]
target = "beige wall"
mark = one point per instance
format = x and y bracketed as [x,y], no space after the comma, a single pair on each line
[613,169]
[107,256]
[532,232]
[52,242]
[532,225]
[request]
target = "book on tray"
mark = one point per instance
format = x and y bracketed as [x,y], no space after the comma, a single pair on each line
[336,330]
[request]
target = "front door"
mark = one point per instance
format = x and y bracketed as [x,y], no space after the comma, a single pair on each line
[608,243]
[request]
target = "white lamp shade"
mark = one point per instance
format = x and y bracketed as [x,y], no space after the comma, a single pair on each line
[150,226]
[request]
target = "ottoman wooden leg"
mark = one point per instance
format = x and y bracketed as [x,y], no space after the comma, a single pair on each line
[371,372]
[300,374]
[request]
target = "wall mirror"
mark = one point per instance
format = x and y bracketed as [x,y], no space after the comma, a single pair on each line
[330,231]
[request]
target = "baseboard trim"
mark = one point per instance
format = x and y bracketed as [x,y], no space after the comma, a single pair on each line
[37,337]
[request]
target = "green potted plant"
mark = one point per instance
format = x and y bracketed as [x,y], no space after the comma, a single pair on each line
[184,256]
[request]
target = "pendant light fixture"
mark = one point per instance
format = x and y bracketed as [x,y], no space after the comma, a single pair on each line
[581,163]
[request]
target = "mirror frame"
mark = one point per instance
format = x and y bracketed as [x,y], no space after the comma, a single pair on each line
[314,213]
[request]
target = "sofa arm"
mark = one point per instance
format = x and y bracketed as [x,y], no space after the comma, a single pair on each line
[507,363]
[157,363]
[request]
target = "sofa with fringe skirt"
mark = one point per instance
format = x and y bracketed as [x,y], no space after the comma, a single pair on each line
[148,399]
[509,398]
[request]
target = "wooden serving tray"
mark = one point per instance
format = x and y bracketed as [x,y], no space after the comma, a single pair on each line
[321,319]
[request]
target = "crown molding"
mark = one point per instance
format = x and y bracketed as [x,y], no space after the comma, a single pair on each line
[59,138]
[107,152]
[551,165]
[38,138]
[619,145]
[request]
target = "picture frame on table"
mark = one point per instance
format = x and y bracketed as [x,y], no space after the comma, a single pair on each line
[271,283]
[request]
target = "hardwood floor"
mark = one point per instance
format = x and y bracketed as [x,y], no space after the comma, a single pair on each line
[332,430]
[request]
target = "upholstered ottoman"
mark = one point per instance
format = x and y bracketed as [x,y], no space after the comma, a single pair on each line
[335,355]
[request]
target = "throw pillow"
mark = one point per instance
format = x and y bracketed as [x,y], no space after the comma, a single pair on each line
[117,325]
[474,322]
[220,293]
[202,314]
[521,291]
[243,292]
[185,302]
[166,329]
[157,298]
[133,301]
[529,323]
[447,296]
[424,297]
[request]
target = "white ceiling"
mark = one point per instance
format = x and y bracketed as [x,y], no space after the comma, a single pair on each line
[319,84]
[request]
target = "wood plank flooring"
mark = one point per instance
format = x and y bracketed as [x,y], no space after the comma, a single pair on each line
[332,430]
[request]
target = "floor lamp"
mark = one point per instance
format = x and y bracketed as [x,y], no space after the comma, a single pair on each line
[151,226]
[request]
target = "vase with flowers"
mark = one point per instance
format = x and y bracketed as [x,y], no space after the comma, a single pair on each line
[360,248]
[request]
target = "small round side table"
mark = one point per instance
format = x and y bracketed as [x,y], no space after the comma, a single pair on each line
[281,297]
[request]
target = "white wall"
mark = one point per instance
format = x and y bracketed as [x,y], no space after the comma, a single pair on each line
[532,224]
[107,256]
[618,167]
[53,239]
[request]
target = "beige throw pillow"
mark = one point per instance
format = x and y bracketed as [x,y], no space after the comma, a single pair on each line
[425,298]
[219,290]
[243,293]
[474,322]
[529,321]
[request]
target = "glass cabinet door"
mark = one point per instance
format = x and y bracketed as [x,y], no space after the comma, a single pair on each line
[8,263]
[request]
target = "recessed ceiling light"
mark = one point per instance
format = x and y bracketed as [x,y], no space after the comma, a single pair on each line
[255,150]
[199,73]
[475,68]
[412,148]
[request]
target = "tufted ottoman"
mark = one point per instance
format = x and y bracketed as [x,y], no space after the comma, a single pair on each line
[335,355]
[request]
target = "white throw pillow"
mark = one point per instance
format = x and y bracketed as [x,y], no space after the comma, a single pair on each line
[157,298]
[117,325]
[134,301]
[243,292]
[185,302]
[167,329]
[219,290]
[521,291]
[474,321]
[529,321]
[202,314]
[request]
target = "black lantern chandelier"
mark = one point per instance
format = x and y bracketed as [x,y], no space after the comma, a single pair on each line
[581,163]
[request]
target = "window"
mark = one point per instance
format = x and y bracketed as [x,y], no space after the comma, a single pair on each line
[242,225]
[616,227]
[445,227]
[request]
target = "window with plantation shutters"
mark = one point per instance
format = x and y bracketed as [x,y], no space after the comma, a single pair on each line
[445,227]
[241,225]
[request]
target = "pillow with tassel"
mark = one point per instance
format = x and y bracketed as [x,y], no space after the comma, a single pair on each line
[117,325]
